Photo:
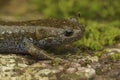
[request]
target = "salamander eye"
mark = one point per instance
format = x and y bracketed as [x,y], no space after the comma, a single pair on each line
[68,32]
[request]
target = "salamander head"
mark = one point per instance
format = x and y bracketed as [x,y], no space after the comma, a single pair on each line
[58,32]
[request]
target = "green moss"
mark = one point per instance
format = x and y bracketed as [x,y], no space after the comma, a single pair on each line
[98,35]
[98,54]
[115,57]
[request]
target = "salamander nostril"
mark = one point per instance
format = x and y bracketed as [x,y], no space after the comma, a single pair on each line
[68,33]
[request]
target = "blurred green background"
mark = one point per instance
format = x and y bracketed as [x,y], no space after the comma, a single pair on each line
[89,9]
[101,17]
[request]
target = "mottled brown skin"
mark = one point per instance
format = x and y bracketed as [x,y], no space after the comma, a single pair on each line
[35,37]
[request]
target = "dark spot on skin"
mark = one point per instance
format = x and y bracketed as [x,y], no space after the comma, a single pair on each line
[68,32]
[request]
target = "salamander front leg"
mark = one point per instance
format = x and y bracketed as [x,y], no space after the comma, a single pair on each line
[35,51]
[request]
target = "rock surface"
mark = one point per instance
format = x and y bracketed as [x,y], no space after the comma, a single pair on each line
[76,67]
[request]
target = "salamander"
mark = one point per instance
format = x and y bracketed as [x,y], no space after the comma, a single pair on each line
[36,37]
